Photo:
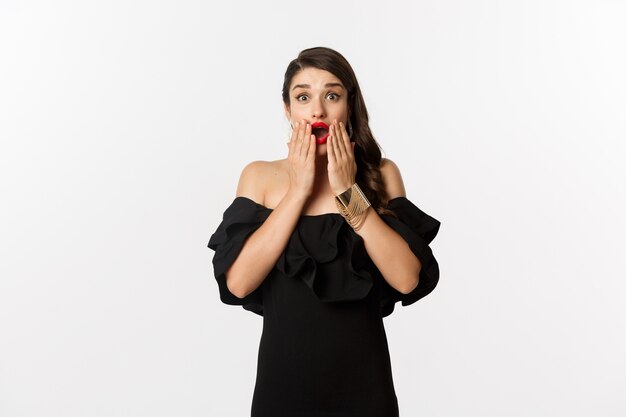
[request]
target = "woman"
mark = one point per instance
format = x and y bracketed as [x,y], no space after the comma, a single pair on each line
[322,244]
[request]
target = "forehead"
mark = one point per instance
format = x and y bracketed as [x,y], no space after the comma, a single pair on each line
[315,77]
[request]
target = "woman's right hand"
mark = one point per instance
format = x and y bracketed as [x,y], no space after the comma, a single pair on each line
[302,159]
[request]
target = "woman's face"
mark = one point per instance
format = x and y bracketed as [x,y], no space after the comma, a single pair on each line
[317,95]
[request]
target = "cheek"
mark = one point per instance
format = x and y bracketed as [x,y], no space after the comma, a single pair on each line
[342,113]
[296,115]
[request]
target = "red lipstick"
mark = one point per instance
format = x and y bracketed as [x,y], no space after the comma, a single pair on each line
[321,132]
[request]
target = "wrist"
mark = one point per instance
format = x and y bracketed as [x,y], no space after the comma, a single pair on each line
[346,189]
[296,196]
[353,206]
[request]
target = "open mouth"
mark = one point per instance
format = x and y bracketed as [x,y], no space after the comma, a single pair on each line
[320,130]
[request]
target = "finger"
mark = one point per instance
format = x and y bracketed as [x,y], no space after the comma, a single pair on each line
[298,144]
[290,142]
[306,140]
[346,138]
[302,132]
[313,142]
[339,152]
[330,150]
[294,133]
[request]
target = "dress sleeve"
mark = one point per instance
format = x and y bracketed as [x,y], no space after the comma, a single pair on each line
[239,221]
[418,229]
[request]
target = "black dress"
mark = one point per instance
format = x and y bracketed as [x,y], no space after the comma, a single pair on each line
[323,349]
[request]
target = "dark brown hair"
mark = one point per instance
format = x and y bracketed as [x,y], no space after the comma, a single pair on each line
[366,150]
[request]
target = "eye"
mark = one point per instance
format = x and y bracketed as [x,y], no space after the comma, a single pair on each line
[301,97]
[333,96]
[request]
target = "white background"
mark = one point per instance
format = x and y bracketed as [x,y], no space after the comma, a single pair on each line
[124,126]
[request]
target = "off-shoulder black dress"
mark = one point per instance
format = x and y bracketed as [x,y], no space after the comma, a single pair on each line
[323,349]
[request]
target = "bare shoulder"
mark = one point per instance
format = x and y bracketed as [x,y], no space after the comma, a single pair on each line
[392,178]
[251,181]
[256,177]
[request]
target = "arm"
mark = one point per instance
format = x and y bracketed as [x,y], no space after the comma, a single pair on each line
[387,249]
[263,247]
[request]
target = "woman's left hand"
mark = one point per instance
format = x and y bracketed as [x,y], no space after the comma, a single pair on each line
[341,163]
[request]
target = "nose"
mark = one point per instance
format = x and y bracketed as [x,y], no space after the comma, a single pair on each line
[319,112]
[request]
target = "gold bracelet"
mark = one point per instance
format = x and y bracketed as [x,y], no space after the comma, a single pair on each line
[352,205]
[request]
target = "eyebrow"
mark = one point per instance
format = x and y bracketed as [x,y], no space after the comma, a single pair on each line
[308,86]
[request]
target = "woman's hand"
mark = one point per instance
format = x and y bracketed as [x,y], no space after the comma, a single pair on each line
[341,163]
[301,159]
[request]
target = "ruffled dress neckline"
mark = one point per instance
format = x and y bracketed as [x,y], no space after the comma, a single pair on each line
[327,255]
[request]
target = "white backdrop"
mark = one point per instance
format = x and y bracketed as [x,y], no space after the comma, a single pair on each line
[124,126]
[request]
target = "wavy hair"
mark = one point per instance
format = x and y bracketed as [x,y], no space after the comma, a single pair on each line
[367,151]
